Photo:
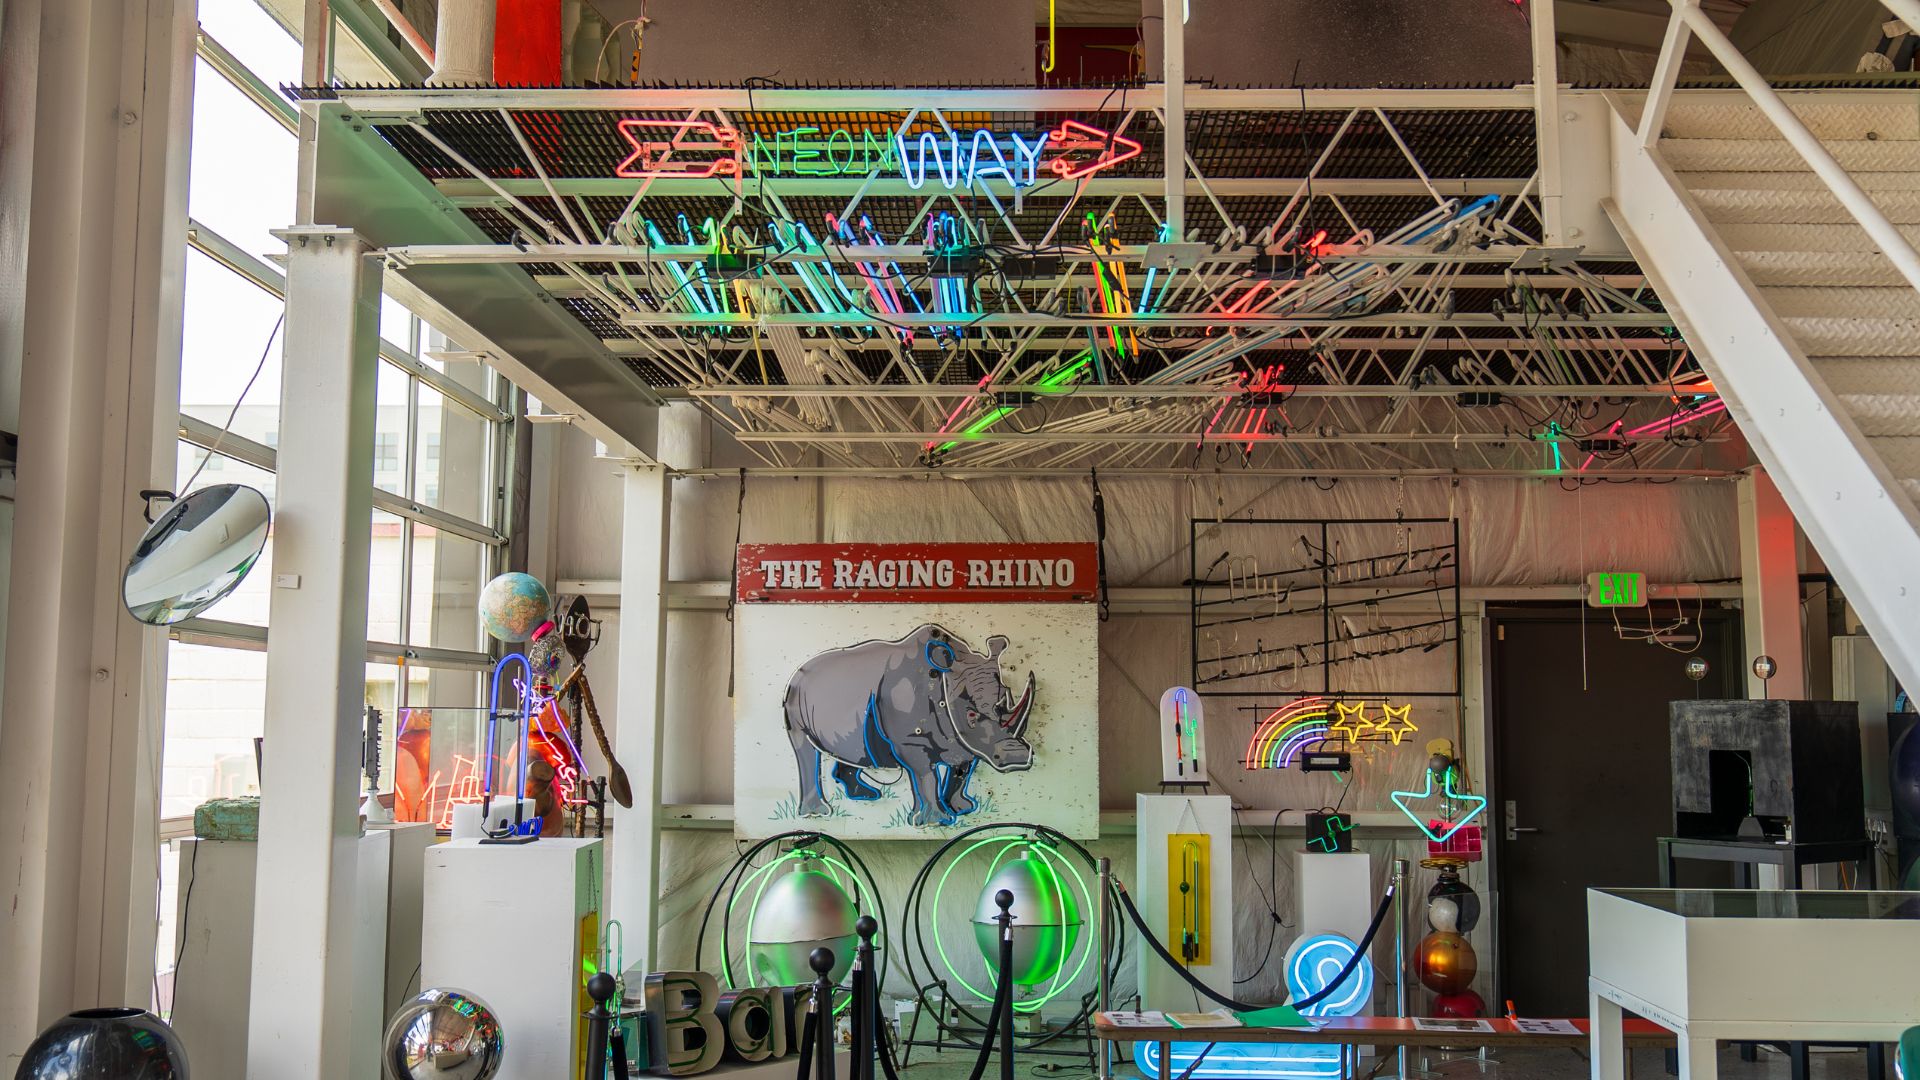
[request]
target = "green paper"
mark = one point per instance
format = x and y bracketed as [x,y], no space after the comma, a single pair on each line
[1278,1016]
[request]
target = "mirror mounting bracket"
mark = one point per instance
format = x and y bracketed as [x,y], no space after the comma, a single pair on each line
[152,495]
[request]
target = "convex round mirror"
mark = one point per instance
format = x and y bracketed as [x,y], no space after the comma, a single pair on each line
[199,551]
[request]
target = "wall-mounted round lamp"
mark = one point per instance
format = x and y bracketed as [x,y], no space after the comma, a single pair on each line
[1046,917]
[803,909]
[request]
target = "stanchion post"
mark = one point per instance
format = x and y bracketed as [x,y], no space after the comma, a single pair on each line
[600,987]
[821,960]
[1004,899]
[1103,945]
[866,1000]
[1400,951]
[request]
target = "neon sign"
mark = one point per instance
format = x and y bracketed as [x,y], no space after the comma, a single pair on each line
[698,150]
[1449,795]
[1279,739]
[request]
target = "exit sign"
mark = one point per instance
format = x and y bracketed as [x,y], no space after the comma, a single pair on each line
[1625,588]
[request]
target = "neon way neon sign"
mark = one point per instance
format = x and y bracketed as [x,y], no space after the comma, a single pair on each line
[698,149]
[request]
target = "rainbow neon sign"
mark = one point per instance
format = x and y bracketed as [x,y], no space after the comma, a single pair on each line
[699,149]
[1278,740]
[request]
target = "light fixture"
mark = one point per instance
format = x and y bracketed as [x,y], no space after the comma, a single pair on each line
[799,911]
[1046,917]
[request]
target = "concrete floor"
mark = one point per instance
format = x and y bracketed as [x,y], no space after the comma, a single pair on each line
[925,1064]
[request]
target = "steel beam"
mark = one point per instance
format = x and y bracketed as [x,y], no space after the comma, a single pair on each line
[1153,392]
[1332,472]
[1173,111]
[302,997]
[996,319]
[1174,438]
[466,193]
[376,104]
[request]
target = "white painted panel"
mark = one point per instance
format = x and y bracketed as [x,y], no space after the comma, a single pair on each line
[1056,642]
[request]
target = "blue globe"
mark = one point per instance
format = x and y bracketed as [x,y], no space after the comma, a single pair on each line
[513,606]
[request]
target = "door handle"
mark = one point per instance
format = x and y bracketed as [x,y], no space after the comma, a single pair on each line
[1513,815]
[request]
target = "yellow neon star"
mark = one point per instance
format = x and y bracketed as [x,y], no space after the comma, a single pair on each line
[1351,721]
[1397,725]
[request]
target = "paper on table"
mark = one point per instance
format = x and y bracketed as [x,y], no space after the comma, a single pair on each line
[1546,1027]
[1462,1025]
[1134,1019]
[1217,1018]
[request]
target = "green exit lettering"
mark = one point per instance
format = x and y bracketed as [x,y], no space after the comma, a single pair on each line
[1627,588]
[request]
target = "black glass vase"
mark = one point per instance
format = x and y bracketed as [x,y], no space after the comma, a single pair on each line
[105,1044]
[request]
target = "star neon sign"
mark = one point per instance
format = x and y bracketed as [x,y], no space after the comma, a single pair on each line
[1451,795]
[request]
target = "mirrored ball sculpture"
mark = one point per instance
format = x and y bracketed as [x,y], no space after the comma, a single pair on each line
[104,1044]
[802,910]
[1046,917]
[443,1034]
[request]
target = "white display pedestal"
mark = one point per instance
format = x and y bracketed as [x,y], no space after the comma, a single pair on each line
[514,924]
[1336,897]
[213,980]
[1160,816]
[1713,965]
[406,866]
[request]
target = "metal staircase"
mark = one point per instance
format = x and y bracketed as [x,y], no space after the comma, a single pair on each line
[1801,305]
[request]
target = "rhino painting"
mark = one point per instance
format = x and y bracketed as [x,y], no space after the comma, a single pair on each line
[926,704]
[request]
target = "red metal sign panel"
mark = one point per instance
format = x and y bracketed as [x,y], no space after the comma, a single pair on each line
[918,573]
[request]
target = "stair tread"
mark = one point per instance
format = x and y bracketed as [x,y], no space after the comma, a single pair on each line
[1837,237]
[1797,207]
[1881,393]
[1900,453]
[1892,301]
[1777,155]
[1783,269]
[1739,117]
[1853,336]
[1803,180]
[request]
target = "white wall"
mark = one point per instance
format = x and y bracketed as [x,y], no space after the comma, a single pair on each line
[1514,532]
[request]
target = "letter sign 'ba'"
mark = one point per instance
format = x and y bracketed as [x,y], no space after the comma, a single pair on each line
[1614,589]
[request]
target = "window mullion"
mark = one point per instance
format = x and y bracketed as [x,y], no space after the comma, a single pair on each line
[245,81]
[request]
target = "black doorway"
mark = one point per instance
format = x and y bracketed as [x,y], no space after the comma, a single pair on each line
[1584,776]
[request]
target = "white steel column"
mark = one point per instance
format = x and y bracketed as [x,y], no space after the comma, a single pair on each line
[1770,587]
[640,705]
[300,1006]
[1173,73]
[633,871]
[94,101]
[1546,117]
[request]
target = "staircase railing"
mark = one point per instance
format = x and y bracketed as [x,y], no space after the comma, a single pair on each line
[1689,21]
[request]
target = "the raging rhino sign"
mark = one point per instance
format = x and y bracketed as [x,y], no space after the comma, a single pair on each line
[903,711]
[926,704]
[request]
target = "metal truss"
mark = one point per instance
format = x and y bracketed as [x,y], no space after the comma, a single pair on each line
[1349,294]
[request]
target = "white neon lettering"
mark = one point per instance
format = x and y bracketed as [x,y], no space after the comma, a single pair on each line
[928,141]
[976,170]
[1027,155]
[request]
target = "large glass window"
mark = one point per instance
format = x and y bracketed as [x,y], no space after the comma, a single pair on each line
[438,456]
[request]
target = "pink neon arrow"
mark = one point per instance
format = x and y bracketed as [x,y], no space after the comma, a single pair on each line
[1072,136]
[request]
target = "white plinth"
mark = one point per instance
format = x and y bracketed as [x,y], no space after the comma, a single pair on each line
[1714,965]
[513,924]
[213,980]
[1160,816]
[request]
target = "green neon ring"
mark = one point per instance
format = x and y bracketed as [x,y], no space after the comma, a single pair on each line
[939,944]
[762,874]
[1048,852]
[1057,982]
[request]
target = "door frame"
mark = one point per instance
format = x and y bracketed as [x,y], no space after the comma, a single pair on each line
[1732,648]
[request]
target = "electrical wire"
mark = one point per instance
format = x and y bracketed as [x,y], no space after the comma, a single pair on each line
[226,428]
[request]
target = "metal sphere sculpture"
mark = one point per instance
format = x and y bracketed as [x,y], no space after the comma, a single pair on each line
[783,898]
[104,1044]
[443,1034]
[803,910]
[1046,924]
[1054,888]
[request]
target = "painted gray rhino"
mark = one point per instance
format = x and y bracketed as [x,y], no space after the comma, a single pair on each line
[926,704]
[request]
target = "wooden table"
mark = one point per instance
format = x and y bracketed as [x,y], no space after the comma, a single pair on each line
[1376,1031]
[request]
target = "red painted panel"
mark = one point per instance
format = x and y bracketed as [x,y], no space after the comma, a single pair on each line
[526,43]
[918,573]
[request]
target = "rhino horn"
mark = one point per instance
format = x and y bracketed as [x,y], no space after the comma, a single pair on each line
[1016,723]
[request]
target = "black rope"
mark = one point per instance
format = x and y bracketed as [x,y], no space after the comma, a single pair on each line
[1366,942]
[1100,542]
[739,521]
